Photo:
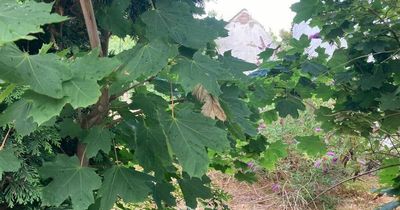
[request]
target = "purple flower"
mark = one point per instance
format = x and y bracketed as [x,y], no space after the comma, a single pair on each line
[318,163]
[261,127]
[251,165]
[330,153]
[318,129]
[334,160]
[314,36]
[276,187]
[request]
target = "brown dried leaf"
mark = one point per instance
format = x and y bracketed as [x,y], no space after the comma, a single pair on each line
[211,107]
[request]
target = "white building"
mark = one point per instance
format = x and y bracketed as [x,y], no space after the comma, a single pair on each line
[247,38]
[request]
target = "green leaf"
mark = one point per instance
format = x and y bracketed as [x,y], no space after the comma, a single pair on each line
[387,176]
[115,18]
[126,183]
[43,73]
[389,101]
[69,180]
[17,114]
[174,19]
[8,161]
[315,69]
[274,152]
[81,92]
[70,128]
[146,60]
[189,134]
[236,67]
[20,19]
[267,53]
[289,106]
[162,193]
[5,93]
[312,145]
[237,109]
[97,139]
[43,107]
[304,10]
[193,188]
[92,67]
[369,81]
[199,70]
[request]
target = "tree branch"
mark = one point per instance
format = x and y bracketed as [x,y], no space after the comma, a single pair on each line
[90,22]
[354,177]
[101,107]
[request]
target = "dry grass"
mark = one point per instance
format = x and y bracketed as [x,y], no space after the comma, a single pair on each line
[259,196]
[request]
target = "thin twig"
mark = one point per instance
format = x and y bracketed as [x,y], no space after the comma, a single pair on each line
[354,177]
[113,97]
[83,158]
[5,139]
[115,152]
[172,101]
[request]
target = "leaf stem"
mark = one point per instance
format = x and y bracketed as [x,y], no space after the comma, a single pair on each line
[5,139]
[172,101]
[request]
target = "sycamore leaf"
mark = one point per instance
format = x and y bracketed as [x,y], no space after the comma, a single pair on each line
[146,60]
[368,81]
[237,109]
[125,183]
[97,139]
[20,19]
[189,134]
[70,128]
[273,153]
[150,143]
[162,192]
[69,180]
[387,176]
[17,113]
[8,161]
[199,70]
[236,67]
[211,107]
[81,92]
[43,73]
[92,67]
[315,69]
[174,19]
[312,145]
[289,106]
[304,10]
[389,101]
[193,188]
[43,107]
[114,18]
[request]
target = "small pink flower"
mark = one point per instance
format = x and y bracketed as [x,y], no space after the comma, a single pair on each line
[261,127]
[318,129]
[330,153]
[276,187]
[318,163]
[334,160]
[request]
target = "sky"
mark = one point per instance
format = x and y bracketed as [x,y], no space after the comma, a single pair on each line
[273,14]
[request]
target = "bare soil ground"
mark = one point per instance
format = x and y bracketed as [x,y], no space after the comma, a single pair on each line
[259,196]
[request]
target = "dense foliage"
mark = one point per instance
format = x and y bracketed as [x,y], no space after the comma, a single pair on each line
[359,83]
[85,128]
